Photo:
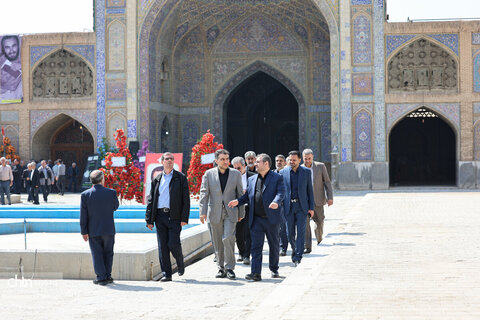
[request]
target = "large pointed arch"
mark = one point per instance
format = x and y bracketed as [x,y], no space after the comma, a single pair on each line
[48,139]
[423,149]
[222,94]
[159,12]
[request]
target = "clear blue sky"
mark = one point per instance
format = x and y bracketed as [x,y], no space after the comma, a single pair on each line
[77,15]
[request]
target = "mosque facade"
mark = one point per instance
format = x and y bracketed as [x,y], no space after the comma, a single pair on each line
[382,104]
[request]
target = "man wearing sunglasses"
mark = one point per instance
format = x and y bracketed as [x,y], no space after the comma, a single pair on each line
[168,207]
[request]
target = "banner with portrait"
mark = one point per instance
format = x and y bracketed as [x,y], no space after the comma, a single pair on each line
[153,167]
[10,70]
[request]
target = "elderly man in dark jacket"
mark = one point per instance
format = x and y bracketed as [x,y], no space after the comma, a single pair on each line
[97,206]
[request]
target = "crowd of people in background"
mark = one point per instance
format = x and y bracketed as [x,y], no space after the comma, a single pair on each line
[37,177]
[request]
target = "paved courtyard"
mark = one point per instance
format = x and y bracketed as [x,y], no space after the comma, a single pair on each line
[402,254]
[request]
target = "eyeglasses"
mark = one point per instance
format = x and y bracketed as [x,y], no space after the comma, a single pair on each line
[167,159]
[238,168]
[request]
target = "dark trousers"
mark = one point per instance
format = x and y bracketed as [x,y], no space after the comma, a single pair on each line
[29,191]
[168,238]
[259,229]
[72,184]
[101,248]
[17,185]
[283,236]
[34,194]
[242,233]
[296,221]
[61,184]
[5,188]
[45,191]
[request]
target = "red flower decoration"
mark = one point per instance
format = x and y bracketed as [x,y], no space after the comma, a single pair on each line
[10,151]
[125,180]
[197,170]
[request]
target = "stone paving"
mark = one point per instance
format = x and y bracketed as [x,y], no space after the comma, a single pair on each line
[402,254]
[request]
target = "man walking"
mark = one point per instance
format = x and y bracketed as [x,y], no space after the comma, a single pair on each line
[168,207]
[27,181]
[321,186]
[61,178]
[219,186]
[279,165]
[46,179]
[298,203]
[72,177]
[17,172]
[242,230]
[265,194]
[97,206]
[6,180]
[35,182]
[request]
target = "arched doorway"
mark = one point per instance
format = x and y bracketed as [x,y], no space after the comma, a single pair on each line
[261,115]
[422,150]
[63,138]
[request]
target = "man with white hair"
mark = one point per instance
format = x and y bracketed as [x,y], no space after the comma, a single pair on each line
[6,180]
[322,194]
[250,158]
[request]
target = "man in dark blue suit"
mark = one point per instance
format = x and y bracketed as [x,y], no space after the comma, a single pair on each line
[97,205]
[264,196]
[298,202]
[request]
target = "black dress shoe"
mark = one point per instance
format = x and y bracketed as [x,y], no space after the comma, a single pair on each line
[246,260]
[239,259]
[307,251]
[100,282]
[283,253]
[181,271]
[166,279]
[275,274]
[230,274]
[254,277]
[110,280]
[221,274]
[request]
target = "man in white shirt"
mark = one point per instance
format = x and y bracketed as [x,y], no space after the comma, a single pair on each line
[6,180]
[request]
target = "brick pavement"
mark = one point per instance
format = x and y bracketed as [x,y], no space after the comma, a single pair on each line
[392,255]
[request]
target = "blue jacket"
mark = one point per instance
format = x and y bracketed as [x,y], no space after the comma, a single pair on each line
[273,191]
[305,189]
[97,205]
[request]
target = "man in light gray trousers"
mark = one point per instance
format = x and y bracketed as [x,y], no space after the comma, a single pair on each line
[221,185]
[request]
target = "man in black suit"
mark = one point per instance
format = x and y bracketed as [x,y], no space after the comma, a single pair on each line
[35,182]
[168,207]
[97,205]
[17,171]
[27,182]
[242,230]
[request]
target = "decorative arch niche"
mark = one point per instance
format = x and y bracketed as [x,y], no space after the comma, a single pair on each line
[422,65]
[62,74]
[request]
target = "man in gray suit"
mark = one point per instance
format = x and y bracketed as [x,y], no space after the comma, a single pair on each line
[321,186]
[219,186]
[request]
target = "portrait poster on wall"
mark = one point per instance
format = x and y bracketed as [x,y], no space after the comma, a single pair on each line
[153,167]
[10,70]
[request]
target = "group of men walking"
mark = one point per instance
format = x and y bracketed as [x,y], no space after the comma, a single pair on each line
[34,179]
[242,205]
[278,204]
